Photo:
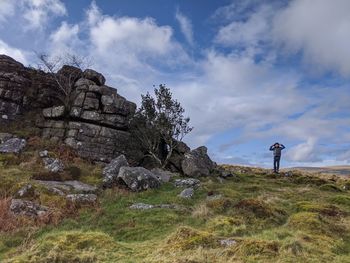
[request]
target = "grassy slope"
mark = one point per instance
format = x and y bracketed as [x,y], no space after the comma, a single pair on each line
[272,219]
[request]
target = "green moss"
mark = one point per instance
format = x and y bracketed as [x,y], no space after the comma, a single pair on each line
[70,246]
[341,200]
[227,226]
[188,238]
[330,187]
[323,209]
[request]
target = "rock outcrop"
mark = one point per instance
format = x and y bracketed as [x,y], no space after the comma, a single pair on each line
[97,123]
[137,178]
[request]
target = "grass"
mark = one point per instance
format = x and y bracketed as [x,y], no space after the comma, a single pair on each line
[299,218]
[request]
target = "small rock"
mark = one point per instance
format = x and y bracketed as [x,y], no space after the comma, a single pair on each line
[43,154]
[110,172]
[213,197]
[141,206]
[60,188]
[26,191]
[53,165]
[5,117]
[13,145]
[189,182]
[138,178]
[82,198]
[187,193]
[27,208]
[227,242]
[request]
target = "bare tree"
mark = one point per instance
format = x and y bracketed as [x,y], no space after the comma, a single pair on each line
[159,125]
[65,72]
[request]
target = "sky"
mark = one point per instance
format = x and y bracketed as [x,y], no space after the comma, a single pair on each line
[248,73]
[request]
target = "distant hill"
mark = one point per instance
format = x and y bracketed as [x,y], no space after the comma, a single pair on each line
[338,170]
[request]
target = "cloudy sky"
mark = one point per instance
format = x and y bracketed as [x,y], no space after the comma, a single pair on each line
[249,73]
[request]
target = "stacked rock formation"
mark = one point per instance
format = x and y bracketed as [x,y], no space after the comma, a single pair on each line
[97,123]
[23,88]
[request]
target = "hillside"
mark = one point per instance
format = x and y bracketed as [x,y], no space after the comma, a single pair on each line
[251,216]
[337,170]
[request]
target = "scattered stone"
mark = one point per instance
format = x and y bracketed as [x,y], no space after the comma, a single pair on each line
[82,198]
[162,175]
[13,145]
[60,188]
[197,163]
[5,136]
[143,206]
[27,208]
[187,193]
[43,154]
[227,242]
[111,171]
[26,191]
[53,165]
[137,178]
[214,197]
[189,182]
[5,117]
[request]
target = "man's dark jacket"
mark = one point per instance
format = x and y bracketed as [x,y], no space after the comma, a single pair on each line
[277,151]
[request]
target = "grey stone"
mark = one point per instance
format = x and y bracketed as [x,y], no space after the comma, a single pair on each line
[214,197]
[43,154]
[96,77]
[61,187]
[187,193]
[197,163]
[82,198]
[54,112]
[26,191]
[162,175]
[53,165]
[107,100]
[27,208]
[188,182]
[13,145]
[227,242]
[143,206]
[111,171]
[137,178]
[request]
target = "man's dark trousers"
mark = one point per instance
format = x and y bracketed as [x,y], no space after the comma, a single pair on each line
[276,163]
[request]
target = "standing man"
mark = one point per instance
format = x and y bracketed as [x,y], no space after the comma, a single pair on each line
[277,151]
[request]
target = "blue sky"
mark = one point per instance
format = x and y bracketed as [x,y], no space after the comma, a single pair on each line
[248,73]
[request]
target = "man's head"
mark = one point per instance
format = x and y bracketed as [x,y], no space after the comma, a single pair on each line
[276,144]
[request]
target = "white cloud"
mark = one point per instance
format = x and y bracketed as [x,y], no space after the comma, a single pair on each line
[247,33]
[12,52]
[303,152]
[319,29]
[65,39]
[185,26]
[37,12]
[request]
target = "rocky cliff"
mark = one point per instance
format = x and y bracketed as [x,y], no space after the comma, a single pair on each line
[97,123]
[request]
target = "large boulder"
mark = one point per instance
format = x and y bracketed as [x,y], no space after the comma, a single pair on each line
[13,145]
[94,76]
[178,156]
[27,208]
[111,171]
[197,163]
[162,175]
[137,178]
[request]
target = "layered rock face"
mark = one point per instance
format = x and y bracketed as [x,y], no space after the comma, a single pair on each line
[97,123]
[23,88]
